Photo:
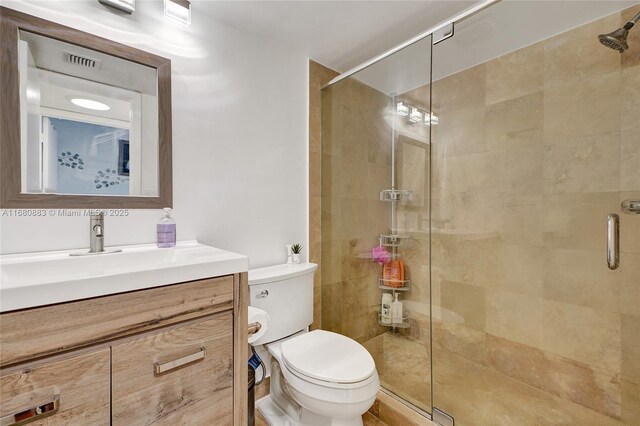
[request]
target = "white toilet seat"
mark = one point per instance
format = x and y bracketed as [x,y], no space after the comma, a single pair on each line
[326,384]
[330,391]
[336,393]
[327,359]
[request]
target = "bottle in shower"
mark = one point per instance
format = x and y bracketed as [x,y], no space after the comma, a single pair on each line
[166,230]
[397,314]
[385,308]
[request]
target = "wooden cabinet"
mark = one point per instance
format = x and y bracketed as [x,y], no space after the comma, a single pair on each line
[181,376]
[45,331]
[171,355]
[72,390]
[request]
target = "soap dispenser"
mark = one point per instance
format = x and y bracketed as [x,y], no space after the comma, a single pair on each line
[396,311]
[166,230]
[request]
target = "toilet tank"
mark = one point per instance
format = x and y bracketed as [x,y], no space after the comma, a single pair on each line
[285,292]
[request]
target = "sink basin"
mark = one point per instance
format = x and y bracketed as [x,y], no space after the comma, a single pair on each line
[36,279]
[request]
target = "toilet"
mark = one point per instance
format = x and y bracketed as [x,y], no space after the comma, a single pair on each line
[317,377]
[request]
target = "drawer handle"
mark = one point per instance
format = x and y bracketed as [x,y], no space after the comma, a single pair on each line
[32,414]
[172,365]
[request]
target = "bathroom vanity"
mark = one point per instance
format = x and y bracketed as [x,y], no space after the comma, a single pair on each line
[161,340]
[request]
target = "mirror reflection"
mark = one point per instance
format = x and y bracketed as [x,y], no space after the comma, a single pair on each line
[89,121]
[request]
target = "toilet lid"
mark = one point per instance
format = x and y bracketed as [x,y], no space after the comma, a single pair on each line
[328,357]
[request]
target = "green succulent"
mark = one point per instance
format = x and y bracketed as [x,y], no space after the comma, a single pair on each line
[296,248]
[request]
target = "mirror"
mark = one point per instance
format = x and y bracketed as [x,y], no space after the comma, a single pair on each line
[85,121]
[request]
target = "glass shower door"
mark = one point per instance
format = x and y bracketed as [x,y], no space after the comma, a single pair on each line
[375,209]
[537,142]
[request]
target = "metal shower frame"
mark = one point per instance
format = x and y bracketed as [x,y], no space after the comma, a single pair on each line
[457,18]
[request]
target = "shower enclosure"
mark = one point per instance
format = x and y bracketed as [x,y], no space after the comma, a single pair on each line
[489,163]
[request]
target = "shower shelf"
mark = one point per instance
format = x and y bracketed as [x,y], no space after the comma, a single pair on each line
[403,324]
[395,195]
[393,240]
[402,285]
[368,256]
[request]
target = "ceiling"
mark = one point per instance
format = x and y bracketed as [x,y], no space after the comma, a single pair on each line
[337,34]
[502,28]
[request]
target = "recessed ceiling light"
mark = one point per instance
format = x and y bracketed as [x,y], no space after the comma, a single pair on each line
[89,104]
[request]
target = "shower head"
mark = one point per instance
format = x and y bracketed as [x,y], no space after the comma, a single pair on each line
[617,40]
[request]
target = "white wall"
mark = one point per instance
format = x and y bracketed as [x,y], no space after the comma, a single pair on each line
[239,137]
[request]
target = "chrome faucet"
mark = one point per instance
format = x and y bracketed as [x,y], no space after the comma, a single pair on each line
[96,239]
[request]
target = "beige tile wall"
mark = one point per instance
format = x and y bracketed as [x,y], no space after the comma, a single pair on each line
[356,166]
[534,149]
[319,75]
[412,169]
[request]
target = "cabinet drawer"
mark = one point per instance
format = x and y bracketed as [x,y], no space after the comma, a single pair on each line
[79,383]
[39,332]
[181,376]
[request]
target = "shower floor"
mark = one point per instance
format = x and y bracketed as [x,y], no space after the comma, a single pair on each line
[477,395]
[472,393]
[403,366]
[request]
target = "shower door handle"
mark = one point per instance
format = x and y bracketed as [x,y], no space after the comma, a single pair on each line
[613,241]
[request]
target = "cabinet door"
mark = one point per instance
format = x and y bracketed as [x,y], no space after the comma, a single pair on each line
[179,376]
[71,391]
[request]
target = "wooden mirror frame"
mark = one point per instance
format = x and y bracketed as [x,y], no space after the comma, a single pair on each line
[11,22]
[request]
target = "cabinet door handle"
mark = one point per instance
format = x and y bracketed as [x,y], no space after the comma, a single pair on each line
[613,241]
[172,365]
[32,414]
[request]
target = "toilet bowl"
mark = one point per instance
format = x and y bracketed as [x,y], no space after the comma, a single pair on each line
[318,378]
[331,376]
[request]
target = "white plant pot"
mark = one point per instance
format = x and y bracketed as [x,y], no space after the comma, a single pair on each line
[295,258]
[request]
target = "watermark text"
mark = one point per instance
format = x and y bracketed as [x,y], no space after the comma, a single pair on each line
[61,212]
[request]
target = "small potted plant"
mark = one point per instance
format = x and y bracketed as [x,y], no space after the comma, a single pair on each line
[296,249]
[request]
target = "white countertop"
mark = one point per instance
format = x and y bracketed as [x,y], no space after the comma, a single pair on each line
[35,279]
